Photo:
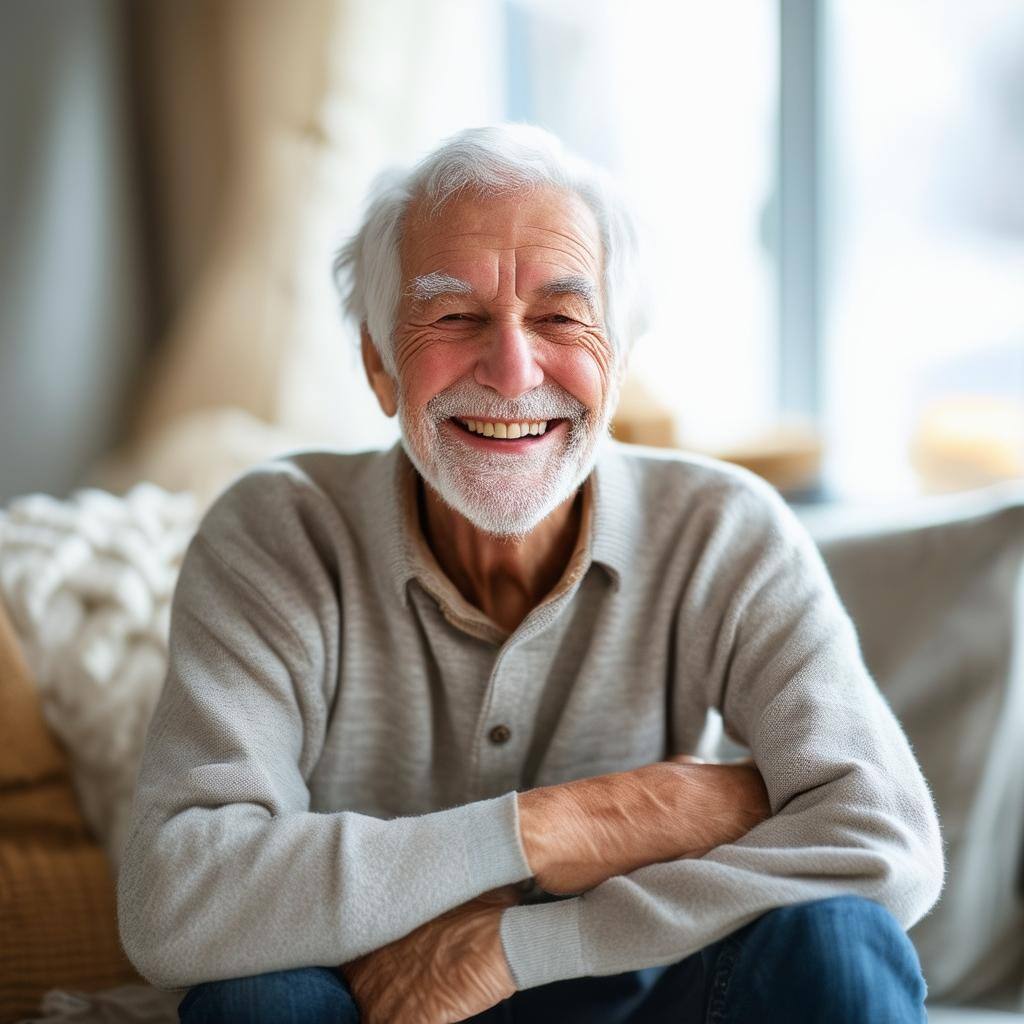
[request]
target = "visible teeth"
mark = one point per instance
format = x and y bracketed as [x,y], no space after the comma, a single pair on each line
[509,431]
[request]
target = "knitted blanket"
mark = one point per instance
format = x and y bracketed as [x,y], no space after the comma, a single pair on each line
[88,583]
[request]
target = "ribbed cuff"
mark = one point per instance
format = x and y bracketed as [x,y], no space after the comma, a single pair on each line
[492,844]
[542,942]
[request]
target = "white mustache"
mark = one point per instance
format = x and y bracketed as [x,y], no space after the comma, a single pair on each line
[467,399]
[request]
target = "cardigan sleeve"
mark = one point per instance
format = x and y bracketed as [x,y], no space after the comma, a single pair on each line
[774,651]
[226,871]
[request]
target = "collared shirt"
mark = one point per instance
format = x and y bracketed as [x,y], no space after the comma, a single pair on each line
[454,606]
[336,754]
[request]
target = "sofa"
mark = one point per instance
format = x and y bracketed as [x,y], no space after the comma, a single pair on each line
[935,587]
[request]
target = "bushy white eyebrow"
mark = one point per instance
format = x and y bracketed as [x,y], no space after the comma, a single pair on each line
[574,284]
[430,286]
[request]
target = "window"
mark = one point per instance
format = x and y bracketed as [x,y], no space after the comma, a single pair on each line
[679,101]
[923,179]
[834,201]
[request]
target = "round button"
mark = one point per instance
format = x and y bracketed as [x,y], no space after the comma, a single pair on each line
[500,734]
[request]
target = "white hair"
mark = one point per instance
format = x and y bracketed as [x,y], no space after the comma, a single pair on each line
[499,160]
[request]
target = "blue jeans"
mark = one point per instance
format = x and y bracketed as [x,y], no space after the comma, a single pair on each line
[838,960]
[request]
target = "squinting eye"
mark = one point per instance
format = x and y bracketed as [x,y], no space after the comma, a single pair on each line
[455,316]
[560,318]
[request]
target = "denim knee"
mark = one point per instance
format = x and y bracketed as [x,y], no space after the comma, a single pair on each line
[864,930]
[839,959]
[307,994]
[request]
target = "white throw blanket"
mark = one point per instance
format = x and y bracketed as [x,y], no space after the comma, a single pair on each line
[88,583]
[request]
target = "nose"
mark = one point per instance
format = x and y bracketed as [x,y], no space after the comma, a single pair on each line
[508,363]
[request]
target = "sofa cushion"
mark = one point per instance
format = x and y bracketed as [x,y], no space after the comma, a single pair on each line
[936,591]
[28,751]
[58,925]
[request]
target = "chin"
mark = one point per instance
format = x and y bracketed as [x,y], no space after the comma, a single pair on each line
[498,502]
[506,522]
[494,504]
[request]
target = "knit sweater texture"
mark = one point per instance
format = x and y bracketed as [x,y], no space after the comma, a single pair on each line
[323,772]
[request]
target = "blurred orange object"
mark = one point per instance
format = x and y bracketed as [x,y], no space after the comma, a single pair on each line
[641,418]
[788,455]
[967,441]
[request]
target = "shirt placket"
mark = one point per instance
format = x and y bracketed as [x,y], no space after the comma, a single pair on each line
[502,736]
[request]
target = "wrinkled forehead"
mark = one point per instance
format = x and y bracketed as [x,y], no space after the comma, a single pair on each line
[539,235]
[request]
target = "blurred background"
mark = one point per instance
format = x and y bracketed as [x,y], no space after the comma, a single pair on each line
[832,200]
[833,195]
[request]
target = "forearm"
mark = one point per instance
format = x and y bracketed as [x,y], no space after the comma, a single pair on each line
[578,834]
[183,920]
[849,832]
[852,815]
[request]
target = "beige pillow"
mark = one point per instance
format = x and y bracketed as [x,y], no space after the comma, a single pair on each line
[937,595]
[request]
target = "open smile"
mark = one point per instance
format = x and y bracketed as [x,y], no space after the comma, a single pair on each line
[502,434]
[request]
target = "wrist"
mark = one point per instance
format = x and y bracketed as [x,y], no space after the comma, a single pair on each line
[507,980]
[537,811]
[573,823]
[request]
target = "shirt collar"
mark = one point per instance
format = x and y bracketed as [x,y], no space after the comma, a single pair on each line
[617,511]
[606,537]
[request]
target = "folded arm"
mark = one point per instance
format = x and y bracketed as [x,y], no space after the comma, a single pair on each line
[576,835]
[776,654]
[579,834]
[226,871]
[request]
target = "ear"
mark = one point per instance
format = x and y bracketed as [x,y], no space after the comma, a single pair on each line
[379,378]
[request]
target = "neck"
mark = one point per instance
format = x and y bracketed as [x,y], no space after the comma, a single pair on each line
[505,577]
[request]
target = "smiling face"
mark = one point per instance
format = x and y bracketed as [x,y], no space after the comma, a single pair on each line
[506,375]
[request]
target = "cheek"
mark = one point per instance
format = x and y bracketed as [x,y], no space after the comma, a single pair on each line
[426,366]
[583,371]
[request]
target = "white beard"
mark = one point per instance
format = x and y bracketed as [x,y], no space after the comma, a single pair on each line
[506,495]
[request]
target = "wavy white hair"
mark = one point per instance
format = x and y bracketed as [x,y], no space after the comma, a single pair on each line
[493,161]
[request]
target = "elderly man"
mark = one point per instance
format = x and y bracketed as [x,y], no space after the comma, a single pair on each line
[426,749]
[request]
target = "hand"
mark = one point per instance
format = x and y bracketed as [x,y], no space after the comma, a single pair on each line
[447,970]
[578,834]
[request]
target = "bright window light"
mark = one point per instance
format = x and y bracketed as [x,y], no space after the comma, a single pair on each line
[679,101]
[924,193]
